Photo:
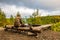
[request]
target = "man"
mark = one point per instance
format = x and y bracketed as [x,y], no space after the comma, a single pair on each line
[18,21]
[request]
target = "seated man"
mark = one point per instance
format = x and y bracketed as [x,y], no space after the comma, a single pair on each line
[18,21]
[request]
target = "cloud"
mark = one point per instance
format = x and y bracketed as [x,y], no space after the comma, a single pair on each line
[27,7]
[13,9]
[41,4]
[57,12]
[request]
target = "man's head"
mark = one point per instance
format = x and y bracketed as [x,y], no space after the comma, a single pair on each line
[18,16]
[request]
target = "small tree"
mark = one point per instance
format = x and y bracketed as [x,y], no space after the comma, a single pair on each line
[12,19]
[34,19]
[35,13]
[2,18]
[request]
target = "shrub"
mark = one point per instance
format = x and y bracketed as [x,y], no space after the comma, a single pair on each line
[56,27]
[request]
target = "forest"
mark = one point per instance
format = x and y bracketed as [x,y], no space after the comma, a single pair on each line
[35,18]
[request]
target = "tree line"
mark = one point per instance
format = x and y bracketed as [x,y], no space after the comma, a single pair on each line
[4,20]
[35,18]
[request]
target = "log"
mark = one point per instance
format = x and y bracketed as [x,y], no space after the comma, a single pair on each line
[24,28]
[40,28]
[9,26]
[37,29]
[32,34]
[32,29]
[35,25]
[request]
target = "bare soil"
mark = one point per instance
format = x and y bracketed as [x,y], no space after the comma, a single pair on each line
[45,35]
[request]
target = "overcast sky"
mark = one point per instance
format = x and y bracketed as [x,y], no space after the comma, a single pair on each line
[27,7]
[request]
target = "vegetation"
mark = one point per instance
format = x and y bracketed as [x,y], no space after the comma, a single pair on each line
[56,27]
[2,18]
[35,18]
[11,20]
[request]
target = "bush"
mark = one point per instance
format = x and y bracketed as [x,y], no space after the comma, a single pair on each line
[56,27]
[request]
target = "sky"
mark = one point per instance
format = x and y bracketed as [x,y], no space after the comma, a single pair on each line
[27,7]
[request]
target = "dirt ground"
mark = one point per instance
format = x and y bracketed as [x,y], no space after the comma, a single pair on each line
[45,35]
